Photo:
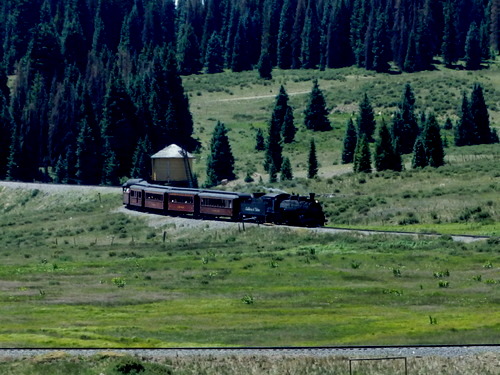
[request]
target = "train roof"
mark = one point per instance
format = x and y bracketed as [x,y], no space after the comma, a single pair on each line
[218,196]
[150,189]
[144,185]
[133,181]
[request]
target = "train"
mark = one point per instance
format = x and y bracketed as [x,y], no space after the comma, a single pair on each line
[276,208]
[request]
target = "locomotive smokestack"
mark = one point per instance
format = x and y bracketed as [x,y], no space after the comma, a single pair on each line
[311,196]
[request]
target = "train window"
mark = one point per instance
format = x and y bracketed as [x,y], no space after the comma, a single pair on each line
[132,193]
[154,197]
[181,199]
[217,203]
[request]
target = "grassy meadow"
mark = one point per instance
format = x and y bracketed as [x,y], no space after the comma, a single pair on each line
[243,102]
[76,273]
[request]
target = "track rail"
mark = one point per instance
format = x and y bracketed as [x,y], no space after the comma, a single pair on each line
[454,237]
[283,351]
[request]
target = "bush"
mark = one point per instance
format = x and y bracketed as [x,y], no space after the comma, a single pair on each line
[129,366]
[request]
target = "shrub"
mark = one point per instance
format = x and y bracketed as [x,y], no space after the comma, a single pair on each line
[355,265]
[129,366]
[119,282]
[396,272]
[444,284]
[248,299]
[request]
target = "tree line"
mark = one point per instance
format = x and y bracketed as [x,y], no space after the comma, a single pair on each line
[413,133]
[97,83]
[210,35]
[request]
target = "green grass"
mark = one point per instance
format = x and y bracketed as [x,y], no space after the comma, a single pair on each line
[244,102]
[74,274]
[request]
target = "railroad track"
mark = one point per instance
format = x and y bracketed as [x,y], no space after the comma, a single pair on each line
[51,188]
[454,237]
[447,351]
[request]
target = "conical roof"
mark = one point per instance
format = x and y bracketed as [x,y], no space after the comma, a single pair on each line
[172,152]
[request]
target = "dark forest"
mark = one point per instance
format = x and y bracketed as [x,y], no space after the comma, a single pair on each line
[96,84]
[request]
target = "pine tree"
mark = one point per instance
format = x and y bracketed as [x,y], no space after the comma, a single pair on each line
[281,105]
[448,125]
[213,21]
[433,144]
[284,53]
[29,116]
[74,45]
[296,38]
[5,136]
[265,67]
[480,117]
[169,105]
[119,124]
[61,171]
[214,57]
[316,113]
[465,129]
[110,169]
[220,163]
[4,88]
[260,143]
[366,119]
[473,48]
[188,49]
[271,12]
[274,148]
[484,39]
[381,48]
[13,169]
[241,59]
[386,156]
[288,130]
[411,63]
[350,141]
[87,156]
[449,47]
[359,25]
[309,57]
[44,52]
[419,155]
[71,163]
[286,170]
[312,161]
[405,126]
[362,156]
[338,45]
[274,141]
[141,161]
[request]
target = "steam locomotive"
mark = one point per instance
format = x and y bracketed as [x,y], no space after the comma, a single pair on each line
[277,208]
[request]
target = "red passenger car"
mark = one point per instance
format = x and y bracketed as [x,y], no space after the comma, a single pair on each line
[136,196]
[183,201]
[155,198]
[218,204]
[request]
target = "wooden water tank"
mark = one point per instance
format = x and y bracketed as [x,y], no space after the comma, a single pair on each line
[172,164]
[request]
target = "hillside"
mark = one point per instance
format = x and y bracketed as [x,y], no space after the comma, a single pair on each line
[432,199]
[76,272]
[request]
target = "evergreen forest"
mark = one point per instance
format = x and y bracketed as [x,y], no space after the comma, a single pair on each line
[89,88]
